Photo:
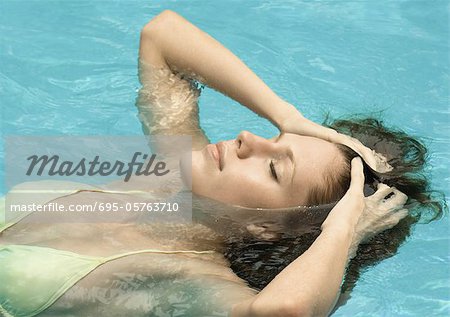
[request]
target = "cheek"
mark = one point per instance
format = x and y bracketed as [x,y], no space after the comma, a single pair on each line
[243,184]
[249,187]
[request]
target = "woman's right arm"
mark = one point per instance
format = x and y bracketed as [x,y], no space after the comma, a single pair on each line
[310,285]
[170,41]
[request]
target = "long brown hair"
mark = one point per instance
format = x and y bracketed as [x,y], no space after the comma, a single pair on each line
[408,156]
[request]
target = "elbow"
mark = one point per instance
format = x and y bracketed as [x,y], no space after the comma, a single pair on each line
[154,35]
[160,23]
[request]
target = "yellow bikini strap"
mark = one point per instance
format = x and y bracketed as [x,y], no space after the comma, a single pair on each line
[114,257]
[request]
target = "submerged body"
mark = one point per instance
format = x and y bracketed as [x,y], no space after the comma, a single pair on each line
[113,269]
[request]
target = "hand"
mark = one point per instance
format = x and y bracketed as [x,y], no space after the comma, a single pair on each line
[295,122]
[379,214]
[375,160]
[345,215]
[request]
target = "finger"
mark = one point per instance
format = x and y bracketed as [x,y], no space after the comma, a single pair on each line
[382,191]
[402,213]
[398,199]
[395,218]
[357,181]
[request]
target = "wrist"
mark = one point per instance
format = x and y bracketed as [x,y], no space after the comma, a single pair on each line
[357,239]
[335,136]
[341,229]
[288,117]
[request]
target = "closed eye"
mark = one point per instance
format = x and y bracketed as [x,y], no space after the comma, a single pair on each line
[273,170]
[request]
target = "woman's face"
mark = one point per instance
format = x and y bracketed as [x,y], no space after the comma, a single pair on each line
[252,171]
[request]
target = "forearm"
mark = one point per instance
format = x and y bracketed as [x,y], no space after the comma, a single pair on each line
[186,48]
[309,286]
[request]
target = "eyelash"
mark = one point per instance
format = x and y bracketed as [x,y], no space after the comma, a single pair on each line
[273,171]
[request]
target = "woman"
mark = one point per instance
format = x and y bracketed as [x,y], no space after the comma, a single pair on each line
[141,269]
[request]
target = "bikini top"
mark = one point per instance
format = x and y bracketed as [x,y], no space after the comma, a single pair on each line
[32,278]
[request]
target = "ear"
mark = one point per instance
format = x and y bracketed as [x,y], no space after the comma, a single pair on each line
[265,231]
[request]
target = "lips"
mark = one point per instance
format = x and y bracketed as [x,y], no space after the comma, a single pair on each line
[215,154]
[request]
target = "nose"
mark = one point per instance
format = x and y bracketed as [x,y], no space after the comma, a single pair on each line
[249,144]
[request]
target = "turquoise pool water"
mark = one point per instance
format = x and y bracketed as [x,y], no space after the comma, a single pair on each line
[70,67]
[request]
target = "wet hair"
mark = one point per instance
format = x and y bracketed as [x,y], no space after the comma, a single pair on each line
[258,262]
[335,180]
[407,154]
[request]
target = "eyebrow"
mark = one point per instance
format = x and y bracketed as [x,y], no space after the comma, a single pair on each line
[291,157]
